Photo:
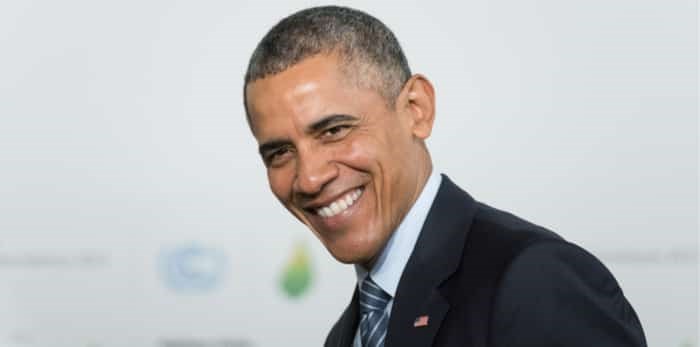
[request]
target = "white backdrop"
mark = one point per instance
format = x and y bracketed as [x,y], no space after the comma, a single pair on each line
[134,210]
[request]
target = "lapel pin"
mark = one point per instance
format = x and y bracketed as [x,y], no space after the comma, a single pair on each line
[421,321]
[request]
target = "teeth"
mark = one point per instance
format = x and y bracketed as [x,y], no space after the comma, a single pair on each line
[327,211]
[340,205]
[335,207]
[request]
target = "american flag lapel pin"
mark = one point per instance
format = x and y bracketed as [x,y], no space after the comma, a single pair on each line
[421,321]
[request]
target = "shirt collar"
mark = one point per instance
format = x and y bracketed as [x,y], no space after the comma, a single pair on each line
[388,268]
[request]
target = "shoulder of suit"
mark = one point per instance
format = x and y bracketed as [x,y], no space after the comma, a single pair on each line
[501,226]
[521,243]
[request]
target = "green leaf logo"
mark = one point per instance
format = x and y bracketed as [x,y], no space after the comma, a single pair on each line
[296,277]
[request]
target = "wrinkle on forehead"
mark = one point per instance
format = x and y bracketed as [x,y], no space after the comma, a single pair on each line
[303,98]
[305,92]
[304,88]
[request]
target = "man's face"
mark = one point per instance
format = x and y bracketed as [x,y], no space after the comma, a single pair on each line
[338,158]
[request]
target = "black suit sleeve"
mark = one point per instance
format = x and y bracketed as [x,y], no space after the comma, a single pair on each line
[556,294]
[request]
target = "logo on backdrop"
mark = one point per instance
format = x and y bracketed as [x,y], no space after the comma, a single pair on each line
[193,267]
[297,275]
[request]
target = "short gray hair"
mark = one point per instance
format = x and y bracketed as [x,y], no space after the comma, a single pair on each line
[360,40]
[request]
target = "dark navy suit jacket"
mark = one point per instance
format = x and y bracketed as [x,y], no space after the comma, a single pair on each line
[486,278]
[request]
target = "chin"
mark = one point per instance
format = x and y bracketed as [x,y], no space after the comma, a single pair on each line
[353,254]
[346,260]
[346,256]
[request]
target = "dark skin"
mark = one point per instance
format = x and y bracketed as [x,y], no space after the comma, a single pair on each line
[325,140]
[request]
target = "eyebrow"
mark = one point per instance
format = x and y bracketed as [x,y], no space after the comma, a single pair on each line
[327,121]
[272,145]
[314,127]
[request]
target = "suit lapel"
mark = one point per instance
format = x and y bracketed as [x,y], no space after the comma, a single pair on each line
[436,256]
[347,324]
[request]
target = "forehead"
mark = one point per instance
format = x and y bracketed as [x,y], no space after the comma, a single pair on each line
[311,89]
[294,91]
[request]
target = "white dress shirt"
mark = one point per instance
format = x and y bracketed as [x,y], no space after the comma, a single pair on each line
[388,268]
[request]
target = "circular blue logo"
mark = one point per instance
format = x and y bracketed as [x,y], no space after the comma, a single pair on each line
[193,268]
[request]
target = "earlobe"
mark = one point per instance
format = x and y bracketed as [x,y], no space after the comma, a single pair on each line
[421,105]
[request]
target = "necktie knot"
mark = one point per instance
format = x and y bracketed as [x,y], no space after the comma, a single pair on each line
[375,319]
[372,297]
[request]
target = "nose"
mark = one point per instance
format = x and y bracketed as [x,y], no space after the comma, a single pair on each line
[314,171]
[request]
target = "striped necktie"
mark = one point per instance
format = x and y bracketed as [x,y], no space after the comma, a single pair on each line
[375,318]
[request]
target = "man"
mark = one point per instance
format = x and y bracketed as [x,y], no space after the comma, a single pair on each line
[341,125]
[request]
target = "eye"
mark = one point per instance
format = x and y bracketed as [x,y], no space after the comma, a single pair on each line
[278,157]
[336,132]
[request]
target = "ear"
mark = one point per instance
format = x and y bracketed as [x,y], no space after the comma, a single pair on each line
[417,99]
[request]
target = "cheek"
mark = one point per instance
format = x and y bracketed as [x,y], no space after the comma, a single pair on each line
[280,180]
[362,151]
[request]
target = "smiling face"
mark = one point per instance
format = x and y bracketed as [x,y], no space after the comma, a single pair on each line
[337,156]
